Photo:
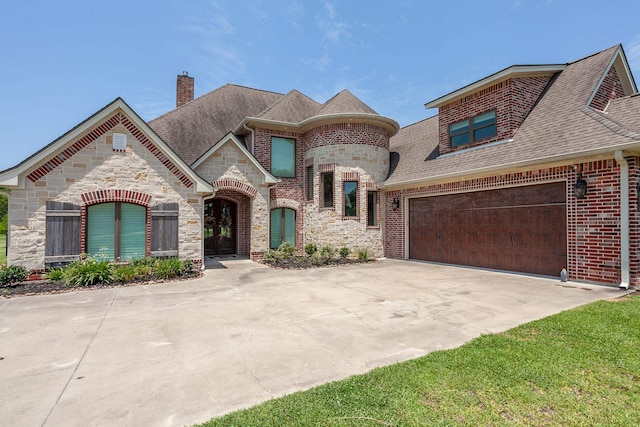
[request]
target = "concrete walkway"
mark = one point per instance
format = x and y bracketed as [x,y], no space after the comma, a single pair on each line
[179,353]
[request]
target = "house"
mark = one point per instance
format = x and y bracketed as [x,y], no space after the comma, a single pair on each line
[532,169]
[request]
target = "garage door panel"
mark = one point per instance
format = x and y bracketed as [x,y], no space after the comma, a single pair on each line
[517,229]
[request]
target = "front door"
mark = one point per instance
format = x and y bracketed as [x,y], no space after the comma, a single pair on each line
[219,227]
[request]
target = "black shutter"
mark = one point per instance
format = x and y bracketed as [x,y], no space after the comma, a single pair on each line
[62,241]
[164,230]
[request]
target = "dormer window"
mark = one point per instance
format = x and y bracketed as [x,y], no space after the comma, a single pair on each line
[473,129]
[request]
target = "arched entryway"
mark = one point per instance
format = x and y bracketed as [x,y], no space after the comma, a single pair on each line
[220,227]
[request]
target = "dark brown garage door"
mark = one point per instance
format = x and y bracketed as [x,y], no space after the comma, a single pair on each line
[516,229]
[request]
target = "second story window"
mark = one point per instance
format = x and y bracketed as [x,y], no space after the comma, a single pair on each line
[473,129]
[283,157]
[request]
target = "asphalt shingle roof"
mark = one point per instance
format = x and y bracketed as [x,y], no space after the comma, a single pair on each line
[193,128]
[559,124]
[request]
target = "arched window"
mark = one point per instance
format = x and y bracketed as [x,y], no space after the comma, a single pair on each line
[116,231]
[283,227]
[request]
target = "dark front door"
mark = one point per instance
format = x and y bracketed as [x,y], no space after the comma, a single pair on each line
[220,227]
[520,229]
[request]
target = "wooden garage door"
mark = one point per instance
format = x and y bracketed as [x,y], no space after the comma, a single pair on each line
[516,229]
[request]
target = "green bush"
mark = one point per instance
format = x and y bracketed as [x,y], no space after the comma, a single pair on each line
[363,255]
[188,267]
[126,273]
[88,272]
[4,226]
[310,249]
[327,252]
[13,274]
[286,249]
[55,275]
[143,262]
[344,252]
[168,268]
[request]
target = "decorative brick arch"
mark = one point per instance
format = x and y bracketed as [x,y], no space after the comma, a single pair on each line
[112,195]
[235,185]
[285,203]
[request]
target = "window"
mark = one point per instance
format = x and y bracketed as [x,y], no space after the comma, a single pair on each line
[473,129]
[372,208]
[116,231]
[350,198]
[283,227]
[327,190]
[309,174]
[283,157]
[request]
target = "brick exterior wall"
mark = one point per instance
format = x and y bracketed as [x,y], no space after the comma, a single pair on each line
[89,167]
[610,88]
[512,100]
[593,223]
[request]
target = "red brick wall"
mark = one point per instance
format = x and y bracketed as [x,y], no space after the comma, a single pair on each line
[512,100]
[610,88]
[287,188]
[346,133]
[593,223]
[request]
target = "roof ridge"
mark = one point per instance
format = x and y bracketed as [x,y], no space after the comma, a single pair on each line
[596,53]
[283,98]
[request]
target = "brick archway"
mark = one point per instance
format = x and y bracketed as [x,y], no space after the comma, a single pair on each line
[113,195]
[235,185]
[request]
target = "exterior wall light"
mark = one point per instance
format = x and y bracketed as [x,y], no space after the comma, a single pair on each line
[580,187]
[395,204]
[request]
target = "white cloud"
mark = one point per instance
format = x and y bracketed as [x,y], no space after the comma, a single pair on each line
[334,30]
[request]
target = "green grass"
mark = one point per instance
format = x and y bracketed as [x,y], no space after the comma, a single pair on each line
[3,249]
[580,367]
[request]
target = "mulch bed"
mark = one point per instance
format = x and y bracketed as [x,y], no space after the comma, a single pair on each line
[43,287]
[301,262]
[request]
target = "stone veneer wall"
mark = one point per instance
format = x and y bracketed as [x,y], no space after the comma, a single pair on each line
[593,223]
[227,166]
[94,167]
[367,164]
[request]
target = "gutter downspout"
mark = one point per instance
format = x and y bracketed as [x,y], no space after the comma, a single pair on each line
[625,258]
[244,125]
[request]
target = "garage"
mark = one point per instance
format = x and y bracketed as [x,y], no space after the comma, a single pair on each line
[520,229]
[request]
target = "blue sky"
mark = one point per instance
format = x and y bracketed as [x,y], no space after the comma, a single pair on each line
[64,60]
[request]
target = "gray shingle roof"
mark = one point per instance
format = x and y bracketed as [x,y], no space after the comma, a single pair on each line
[344,102]
[294,107]
[196,126]
[559,125]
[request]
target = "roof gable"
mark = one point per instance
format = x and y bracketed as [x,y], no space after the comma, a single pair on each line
[618,66]
[62,149]
[230,138]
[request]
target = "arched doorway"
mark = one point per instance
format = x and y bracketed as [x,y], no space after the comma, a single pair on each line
[220,227]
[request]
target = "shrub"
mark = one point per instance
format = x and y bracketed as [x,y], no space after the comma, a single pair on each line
[146,262]
[168,268]
[327,252]
[286,249]
[310,249]
[13,274]
[55,275]
[88,272]
[363,255]
[344,252]
[126,273]
[187,266]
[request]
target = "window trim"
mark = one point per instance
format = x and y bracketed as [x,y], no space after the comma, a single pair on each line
[471,130]
[293,160]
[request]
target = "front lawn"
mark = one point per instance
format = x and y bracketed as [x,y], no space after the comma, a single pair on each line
[580,367]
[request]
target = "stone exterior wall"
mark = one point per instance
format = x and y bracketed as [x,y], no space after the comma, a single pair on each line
[366,164]
[593,223]
[93,166]
[238,179]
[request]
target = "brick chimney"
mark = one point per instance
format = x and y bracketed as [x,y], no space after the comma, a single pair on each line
[184,89]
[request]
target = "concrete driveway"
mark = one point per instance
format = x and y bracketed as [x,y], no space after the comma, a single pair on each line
[180,353]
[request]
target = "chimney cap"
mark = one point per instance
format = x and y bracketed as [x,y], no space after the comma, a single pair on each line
[185,73]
